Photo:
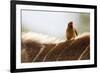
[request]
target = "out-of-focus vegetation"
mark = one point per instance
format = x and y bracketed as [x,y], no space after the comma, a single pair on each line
[84,23]
[25,29]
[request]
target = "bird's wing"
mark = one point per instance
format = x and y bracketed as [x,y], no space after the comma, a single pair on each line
[76,32]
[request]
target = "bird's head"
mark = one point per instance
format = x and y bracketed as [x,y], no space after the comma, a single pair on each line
[70,24]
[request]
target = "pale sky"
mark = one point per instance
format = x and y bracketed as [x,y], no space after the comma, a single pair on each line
[48,22]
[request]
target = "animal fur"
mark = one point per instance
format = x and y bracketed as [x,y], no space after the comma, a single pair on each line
[53,50]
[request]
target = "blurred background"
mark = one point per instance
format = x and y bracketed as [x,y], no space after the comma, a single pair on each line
[53,23]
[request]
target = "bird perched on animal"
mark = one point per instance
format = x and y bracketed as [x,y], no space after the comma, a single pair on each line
[71,31]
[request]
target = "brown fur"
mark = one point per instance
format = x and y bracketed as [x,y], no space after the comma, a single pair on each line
[30,50]
[76,49]
[47,48]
